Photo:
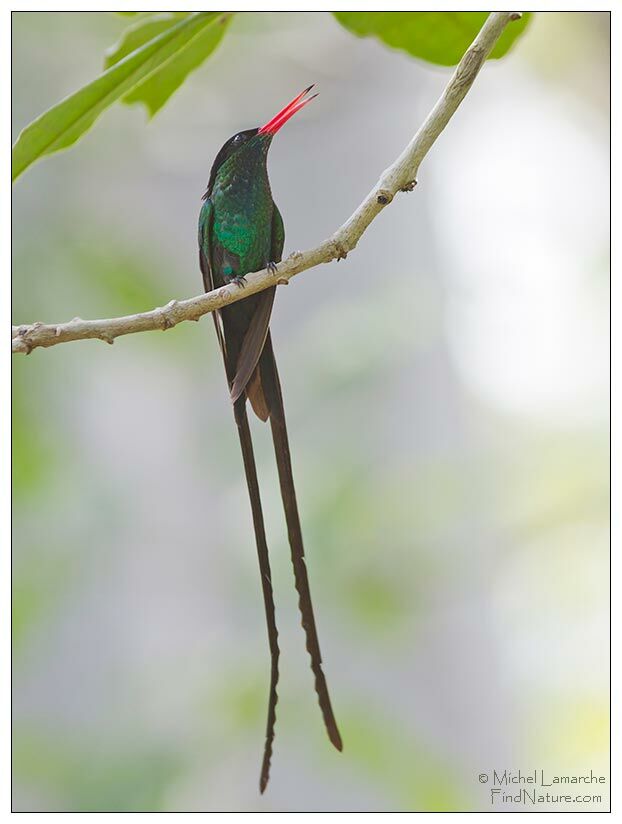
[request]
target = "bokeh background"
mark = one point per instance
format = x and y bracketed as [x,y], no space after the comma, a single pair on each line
[447,396]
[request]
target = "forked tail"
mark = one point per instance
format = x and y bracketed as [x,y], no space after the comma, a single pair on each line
[272,391]
[241,419]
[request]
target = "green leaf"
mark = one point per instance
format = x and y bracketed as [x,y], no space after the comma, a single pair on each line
[140,32]
[439,37]
[65,123]
[161,84]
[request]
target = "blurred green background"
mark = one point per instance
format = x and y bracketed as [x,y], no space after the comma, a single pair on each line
[448,421]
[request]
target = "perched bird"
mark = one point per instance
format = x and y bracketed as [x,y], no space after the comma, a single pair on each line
[241,231]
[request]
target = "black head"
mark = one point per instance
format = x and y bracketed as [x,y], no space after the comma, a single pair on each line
[231,147]
[256,139]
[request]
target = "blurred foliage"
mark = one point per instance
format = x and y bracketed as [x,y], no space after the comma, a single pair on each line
[37,584]
[34,453]
[89,778]
[121,281]
[439,37]
[577,727]
[159,50]
[414,776]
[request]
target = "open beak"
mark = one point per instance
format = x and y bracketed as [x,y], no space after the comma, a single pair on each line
[272,126]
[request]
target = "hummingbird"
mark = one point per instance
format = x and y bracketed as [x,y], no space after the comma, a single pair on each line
[241,231]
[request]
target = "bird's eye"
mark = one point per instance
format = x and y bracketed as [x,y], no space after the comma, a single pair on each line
[238,139]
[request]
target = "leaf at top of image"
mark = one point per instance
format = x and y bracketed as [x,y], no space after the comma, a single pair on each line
[161,84]
[140,32]
[66,122]
[439,37]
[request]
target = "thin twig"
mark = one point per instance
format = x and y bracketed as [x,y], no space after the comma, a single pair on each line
[400,177]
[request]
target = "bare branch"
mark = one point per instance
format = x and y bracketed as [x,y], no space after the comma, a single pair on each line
[400,177]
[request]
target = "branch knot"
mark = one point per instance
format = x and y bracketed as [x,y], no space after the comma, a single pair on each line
[167,318]
[338,249]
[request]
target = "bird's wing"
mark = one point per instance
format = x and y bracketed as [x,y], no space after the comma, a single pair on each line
[255,337]
[253,342]
[205,226]
[278,235]
[205,260]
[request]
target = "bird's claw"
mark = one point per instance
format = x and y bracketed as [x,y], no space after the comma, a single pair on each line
[239,280]
[271,267]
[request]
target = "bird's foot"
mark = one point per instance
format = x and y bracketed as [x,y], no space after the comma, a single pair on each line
[271,267]
[239,280]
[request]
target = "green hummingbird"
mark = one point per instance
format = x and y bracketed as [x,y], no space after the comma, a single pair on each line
[241,231]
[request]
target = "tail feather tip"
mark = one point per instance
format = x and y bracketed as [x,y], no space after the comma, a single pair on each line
[335,739]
